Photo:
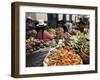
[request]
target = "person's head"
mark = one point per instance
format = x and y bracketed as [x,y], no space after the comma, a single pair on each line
[71,21]
[59,29]
[29,19]
[80,19]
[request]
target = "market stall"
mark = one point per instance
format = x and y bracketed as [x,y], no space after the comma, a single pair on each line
[52,46]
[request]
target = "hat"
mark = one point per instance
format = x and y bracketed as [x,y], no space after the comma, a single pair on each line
[29,17]
[41,22]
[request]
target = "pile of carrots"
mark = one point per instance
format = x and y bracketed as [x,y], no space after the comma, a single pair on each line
[61,56]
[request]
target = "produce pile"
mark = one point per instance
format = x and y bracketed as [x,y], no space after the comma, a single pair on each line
[74,51]
[33,44]
[64,55]
[80,42]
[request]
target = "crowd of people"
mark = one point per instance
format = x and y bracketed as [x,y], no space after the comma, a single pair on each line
[39,28]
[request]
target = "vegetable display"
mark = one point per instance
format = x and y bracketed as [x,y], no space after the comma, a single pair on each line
[64,55]
[80,42]
[33,44]
[73,50]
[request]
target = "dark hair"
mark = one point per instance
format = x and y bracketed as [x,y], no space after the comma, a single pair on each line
[27,19]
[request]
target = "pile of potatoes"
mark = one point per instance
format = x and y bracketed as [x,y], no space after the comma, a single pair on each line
[33,44]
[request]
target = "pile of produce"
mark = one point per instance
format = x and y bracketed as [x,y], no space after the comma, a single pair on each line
[52,31]
[80,42]
[64,55]
[33,44]
[75,50]
[31,33]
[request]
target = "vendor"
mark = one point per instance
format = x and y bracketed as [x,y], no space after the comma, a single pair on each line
[61,34]
[81,25]
[29,23]
[43,34]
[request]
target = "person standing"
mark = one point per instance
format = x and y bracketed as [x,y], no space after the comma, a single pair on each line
[81,25]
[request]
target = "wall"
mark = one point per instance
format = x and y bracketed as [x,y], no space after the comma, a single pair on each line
[5,40]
